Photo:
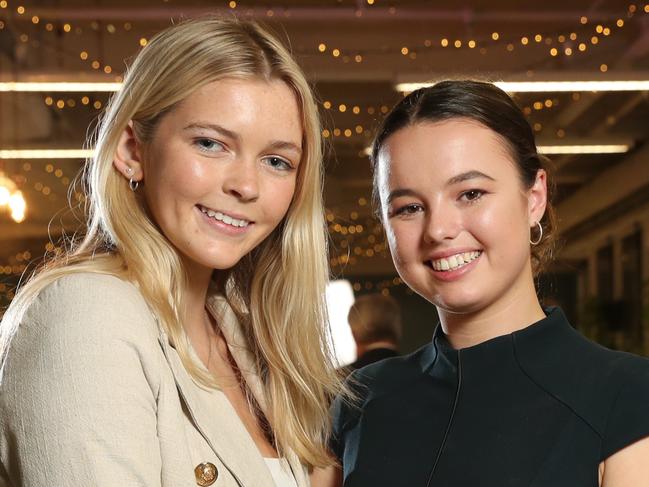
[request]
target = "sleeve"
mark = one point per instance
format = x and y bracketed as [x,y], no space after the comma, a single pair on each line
[78,398]
[628,421]
[338,415]
[345,411]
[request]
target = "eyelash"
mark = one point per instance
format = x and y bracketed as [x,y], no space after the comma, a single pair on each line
[201,147]
[411,209]
[405,210]
[480,193]
[287,166]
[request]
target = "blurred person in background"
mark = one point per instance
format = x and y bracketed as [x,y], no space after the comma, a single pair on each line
[375,321]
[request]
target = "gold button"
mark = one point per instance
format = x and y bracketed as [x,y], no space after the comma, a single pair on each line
[206,474]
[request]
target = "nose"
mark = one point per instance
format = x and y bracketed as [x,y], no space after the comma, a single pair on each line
[242,181]
[443,222]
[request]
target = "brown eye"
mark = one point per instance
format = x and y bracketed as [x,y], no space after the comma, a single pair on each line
[408,210]
[472,194]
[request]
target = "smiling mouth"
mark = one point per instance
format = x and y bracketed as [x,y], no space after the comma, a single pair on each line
[224,218]
[454,262]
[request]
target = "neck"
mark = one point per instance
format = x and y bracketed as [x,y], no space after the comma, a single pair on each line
[514,311]
[362,348]
[195,320]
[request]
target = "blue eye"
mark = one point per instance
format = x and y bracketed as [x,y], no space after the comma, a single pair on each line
[278,163]
[208,145]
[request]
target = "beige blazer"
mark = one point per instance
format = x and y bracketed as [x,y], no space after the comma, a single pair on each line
[93,394]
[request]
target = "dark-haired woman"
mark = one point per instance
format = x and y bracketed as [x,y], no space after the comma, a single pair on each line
[507,393]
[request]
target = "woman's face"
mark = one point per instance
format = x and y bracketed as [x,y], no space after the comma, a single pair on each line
[220,171]
[456,214]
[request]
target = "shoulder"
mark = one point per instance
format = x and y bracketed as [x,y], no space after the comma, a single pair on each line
[100,303]
[390,375]
[606,389]
[87,289]
[381,378]
[627,419]
[81,311]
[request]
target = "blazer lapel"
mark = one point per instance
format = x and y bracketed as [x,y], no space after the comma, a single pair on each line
[217,421]
[238,346]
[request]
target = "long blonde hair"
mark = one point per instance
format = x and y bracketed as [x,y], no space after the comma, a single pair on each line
[277,290]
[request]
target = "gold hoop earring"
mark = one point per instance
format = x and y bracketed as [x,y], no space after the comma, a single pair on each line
[538,240]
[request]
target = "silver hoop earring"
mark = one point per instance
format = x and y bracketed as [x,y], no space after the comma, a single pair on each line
[538,240]
[133,184]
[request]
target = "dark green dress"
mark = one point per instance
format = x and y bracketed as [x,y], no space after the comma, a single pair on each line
[541,407]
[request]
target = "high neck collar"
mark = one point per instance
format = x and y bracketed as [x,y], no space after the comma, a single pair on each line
[539,333]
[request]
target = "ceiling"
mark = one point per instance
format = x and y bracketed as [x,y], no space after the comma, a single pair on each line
[354,53]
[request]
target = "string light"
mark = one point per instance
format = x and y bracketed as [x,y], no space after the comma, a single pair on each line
[11,198]
[28,86]
[45,153]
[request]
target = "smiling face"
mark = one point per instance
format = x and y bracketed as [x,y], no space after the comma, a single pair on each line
[456,214]
[221,168]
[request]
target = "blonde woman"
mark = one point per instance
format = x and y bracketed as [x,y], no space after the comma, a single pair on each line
[181,342]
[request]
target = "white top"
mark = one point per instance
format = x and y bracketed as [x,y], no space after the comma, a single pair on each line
[281,472]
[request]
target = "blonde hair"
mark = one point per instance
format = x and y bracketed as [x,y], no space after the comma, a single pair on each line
[375,318]
[277,290]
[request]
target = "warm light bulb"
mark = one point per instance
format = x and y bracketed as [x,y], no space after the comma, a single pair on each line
[17,216]
[18,206]
[4,195]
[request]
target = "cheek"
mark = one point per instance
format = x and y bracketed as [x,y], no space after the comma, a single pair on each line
[403,240]
[278,197]
[187,178]
[501,229]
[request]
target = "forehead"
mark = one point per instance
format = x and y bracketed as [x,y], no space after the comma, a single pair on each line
[443,149]
[253,104]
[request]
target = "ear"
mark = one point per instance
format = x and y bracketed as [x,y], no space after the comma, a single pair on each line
[537,198]
[128,159]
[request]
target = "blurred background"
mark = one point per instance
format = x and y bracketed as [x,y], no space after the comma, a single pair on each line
[60,61]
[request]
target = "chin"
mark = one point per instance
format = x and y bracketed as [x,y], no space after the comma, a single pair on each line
[458,303]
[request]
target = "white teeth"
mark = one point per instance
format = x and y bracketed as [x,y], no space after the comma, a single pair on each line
[455,261]
[227,219]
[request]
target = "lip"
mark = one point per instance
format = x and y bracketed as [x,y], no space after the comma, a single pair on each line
[238,216]
[456,274]
[223,227]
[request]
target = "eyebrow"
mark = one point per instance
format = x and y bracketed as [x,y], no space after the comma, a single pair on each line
[275,144]
[465,176]
[214,127]
[400,192]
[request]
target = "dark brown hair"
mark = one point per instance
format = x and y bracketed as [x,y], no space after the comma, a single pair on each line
[374,318]
[490,106]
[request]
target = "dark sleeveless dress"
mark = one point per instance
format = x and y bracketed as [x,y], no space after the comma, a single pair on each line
[541,407]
